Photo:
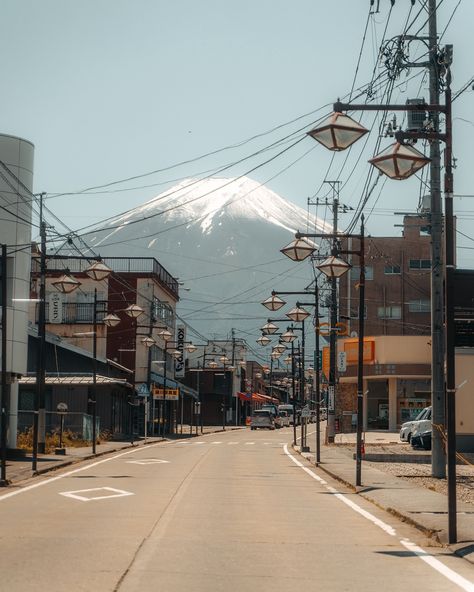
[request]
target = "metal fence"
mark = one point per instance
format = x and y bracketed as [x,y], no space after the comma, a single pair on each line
[79,424]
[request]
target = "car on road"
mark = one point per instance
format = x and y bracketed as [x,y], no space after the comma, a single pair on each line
[284,418]
[262,418]
[289,409]
[421,423]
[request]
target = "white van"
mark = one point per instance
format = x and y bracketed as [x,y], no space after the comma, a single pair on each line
[422,423]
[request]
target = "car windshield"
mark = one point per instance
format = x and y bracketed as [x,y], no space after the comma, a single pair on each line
[261,412]
[422,414]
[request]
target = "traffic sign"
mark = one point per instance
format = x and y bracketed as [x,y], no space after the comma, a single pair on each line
[142,390]
[305,412]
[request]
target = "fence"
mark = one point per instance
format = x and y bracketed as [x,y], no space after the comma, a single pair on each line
[77,423]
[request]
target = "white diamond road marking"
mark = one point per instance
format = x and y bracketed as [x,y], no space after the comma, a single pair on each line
[147,461]
[216,442]
[249,443]
[83,498]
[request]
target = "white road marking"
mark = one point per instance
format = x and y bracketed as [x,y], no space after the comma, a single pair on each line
[425,556]
[199,442]
[216,442]
[249,443]
[83,498]
[74,471]
[147,461]
[231,443]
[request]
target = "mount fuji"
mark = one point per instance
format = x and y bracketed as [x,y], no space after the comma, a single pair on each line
[222,239]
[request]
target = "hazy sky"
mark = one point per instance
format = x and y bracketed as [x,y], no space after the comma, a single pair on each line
[110,89]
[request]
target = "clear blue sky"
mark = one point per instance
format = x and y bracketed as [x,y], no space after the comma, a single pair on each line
[108,89]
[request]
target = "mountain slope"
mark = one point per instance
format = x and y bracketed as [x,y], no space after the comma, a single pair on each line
[221,237]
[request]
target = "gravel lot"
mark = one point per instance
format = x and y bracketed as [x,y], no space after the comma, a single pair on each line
[420,473]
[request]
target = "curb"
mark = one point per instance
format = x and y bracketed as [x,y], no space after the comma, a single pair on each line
[432,534]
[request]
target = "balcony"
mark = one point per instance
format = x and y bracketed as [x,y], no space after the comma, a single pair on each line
[146,266]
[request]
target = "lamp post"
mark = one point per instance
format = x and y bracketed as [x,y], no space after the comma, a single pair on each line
[176,353]
[65,284]
[400,162]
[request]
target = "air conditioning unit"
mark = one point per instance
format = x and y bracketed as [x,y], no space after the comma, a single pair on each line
[416,119]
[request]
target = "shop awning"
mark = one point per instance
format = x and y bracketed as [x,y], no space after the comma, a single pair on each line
[76,380]
[255,397]
[174,384]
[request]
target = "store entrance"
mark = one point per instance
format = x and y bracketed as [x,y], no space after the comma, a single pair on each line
[377,405]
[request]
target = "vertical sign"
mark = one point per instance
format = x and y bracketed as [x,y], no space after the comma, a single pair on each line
[179,362]
[55,304]
[331,398]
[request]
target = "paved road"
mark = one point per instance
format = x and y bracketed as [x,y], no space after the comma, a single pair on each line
[236,511]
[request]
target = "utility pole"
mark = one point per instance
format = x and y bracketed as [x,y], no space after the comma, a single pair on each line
[39,427]
[4,401]
[438,460]
[335,205]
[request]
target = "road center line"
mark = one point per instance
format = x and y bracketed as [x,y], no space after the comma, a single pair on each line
[425,556]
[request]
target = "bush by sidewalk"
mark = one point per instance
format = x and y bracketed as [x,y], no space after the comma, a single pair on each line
[69,440]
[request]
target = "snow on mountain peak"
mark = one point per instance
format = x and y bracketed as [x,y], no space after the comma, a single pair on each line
[203,202]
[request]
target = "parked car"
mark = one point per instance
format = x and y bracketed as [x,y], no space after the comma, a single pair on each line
[262,418]
[284,418]
[421,423]
[421,440]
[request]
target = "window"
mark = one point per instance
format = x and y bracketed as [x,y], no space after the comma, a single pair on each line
[392,270]
[355,313]
[162,311]
[419,306]
[389,312]
[419,264]
[355,273]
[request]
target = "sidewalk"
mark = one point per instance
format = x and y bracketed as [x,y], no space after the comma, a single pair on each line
[425,509]
[20,469]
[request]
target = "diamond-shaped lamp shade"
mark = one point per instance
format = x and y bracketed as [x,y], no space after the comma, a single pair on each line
[280,348]
[269,329]
[275,355]
[273,303]
[165,334]
[299,249]
[338,132]
[176,353]
[134,311]
[298,314]
[258,375]
[148,341]
[212,364]
[288,337]
[190,348]
[66,284]
[399,161]
[98,271]
[263,340]
[333,267]
[111,320]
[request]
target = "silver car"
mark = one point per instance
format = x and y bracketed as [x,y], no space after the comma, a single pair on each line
[423,420]
[262,418]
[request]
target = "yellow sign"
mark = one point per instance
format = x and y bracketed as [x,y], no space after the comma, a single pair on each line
[351,347]
[169,395]
[326,361]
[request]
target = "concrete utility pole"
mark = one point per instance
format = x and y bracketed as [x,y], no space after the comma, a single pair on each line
[438,460]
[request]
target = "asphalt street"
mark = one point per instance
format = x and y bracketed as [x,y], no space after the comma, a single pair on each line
[231,511]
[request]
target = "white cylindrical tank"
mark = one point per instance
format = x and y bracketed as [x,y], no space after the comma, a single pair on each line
[16,186]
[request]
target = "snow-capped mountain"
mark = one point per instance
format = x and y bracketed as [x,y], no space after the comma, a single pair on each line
[221,238]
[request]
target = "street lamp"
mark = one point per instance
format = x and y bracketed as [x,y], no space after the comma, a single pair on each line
[298,314]
[299,249]
[263,340]
[269,329]
[399,161]
[338,132]
[274,302]
[66,284]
